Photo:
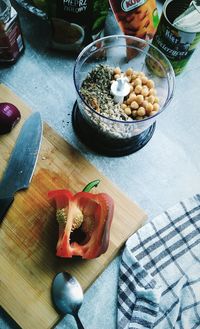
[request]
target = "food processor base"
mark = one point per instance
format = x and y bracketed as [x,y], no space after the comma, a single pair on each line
[101,144]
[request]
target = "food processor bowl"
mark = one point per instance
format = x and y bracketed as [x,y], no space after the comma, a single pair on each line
[101,133]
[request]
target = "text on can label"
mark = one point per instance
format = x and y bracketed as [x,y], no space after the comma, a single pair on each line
[128,5]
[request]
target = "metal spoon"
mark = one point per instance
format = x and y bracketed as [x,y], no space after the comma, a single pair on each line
[67,295]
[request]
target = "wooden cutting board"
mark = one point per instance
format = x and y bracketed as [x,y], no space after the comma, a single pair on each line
[28,234]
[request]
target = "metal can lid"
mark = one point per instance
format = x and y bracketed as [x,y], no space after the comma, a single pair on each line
[189,20]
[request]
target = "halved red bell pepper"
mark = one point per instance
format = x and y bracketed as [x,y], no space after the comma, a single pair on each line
[84,222]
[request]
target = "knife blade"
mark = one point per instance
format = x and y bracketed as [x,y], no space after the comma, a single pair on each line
[19,171]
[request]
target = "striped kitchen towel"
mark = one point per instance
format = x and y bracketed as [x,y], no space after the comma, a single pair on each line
[159,279]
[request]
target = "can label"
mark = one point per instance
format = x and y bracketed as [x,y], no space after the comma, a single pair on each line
[137,18]
[11,42]
[177,45]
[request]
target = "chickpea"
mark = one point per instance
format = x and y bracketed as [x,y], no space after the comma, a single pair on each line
[138,89]
[153,113]
[123,106]
[139,99]
[139,118]
[152,91]
[131,98]
[156,107]
[150,84]
[144,80]
[131,88]
[134,113]
[151,99]
[145,104]
[128,101]
[149,108]
[156,100]
[141,111]
[127,110]
[145,91]
[133,77]
[129,71]
[134,105]
[117,76]
[117,70]
[141,74]
[132,94]
[137,82]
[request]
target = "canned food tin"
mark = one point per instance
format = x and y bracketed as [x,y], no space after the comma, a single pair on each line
[177,44]
[137,18]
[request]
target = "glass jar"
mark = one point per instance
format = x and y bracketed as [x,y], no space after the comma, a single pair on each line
[11,40]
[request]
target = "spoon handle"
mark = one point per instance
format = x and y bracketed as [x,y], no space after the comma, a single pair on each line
[78,321]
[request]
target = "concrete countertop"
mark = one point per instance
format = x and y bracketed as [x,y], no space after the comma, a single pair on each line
[165,171]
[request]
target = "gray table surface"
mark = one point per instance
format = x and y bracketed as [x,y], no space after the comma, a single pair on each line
[165,171]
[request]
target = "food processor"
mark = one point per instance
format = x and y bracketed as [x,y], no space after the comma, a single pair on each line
[105,135]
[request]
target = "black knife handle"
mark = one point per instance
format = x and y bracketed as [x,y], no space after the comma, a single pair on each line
[4,205]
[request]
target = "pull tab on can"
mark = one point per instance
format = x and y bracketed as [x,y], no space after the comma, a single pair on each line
[189,20]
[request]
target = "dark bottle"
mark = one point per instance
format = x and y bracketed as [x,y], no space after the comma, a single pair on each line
[11,40]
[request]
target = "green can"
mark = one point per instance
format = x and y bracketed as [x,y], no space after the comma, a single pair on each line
[176,43]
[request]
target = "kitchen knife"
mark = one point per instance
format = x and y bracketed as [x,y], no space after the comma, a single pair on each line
[21,165]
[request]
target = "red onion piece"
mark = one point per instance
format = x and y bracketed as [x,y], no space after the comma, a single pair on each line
[9,116]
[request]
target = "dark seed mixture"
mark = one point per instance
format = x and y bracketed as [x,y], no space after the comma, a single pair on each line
[96,92]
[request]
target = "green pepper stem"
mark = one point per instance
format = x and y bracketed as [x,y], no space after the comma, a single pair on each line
[92,184]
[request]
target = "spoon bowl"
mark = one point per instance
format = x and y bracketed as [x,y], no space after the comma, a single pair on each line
[67,295]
